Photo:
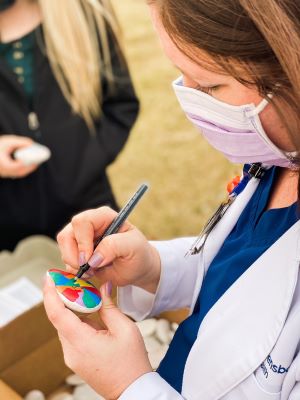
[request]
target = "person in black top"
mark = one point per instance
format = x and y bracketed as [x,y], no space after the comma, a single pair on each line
[64,83]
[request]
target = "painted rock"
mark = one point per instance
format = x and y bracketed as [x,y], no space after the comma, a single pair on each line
[35,395]
[85,392]
[147,327]
[78,295]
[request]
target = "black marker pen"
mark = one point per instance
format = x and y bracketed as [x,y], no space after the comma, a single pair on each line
[116,223]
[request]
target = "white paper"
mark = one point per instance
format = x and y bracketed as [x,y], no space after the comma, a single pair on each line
[17,298]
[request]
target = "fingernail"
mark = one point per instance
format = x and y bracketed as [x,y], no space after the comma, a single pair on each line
[108,288]
[87,275]
[95,260]
[81,259]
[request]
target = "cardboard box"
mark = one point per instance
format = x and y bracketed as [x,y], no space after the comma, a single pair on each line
[6,393]
[31,355]
[43,369]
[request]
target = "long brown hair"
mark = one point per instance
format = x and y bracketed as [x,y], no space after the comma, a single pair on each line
[255,41]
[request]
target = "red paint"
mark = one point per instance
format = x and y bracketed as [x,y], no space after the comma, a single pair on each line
[59,271]
[94,290]
[71,294]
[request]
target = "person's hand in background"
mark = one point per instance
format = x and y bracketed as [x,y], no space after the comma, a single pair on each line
[9,167]
[109,359]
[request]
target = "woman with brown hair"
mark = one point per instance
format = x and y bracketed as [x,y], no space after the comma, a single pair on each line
[240,86]
[64,84]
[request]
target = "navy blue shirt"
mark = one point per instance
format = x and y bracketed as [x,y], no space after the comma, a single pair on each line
[256,230]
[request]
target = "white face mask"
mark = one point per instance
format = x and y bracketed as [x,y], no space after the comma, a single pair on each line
[236,131]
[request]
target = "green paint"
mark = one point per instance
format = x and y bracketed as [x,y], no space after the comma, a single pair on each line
[74,283]
[88,300]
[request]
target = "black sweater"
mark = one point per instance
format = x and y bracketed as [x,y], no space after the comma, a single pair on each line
[74,178]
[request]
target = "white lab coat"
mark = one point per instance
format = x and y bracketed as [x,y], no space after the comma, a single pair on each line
[248,344]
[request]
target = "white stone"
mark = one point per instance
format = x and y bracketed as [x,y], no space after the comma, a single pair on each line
[62,396]
[74,380]
[33,154]
[151,344]
[147,327]
[35,395]
[174,326]
[163,331]
[171,335]
[156,356]
[85,392]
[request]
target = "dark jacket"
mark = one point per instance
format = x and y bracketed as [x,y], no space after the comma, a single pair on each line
[74,178]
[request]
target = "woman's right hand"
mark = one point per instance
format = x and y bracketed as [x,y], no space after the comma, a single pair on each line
[124,258]
[10,168]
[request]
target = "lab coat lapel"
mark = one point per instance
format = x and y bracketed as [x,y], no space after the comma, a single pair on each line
[240,330]
[220,233]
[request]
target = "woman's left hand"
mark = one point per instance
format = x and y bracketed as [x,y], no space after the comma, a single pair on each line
[109,359]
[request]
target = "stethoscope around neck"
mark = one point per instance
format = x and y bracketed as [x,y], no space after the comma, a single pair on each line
[255,170]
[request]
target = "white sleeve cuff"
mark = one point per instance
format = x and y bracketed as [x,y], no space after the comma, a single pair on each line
[150,386]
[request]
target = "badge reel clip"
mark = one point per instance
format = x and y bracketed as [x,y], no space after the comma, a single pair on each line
[254,171]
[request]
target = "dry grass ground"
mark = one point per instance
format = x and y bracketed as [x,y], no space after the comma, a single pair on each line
[187,177]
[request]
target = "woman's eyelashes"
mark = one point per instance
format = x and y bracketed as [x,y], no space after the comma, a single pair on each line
[207,89]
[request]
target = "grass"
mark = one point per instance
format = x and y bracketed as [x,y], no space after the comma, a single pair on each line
[187,177]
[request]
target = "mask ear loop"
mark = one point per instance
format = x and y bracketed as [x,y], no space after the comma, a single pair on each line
[291,156]
[260,107]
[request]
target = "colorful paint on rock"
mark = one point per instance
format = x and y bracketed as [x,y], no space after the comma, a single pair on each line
[78,295]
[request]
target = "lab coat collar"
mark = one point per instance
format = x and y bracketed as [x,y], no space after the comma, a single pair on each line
[220,233]
[240,330]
